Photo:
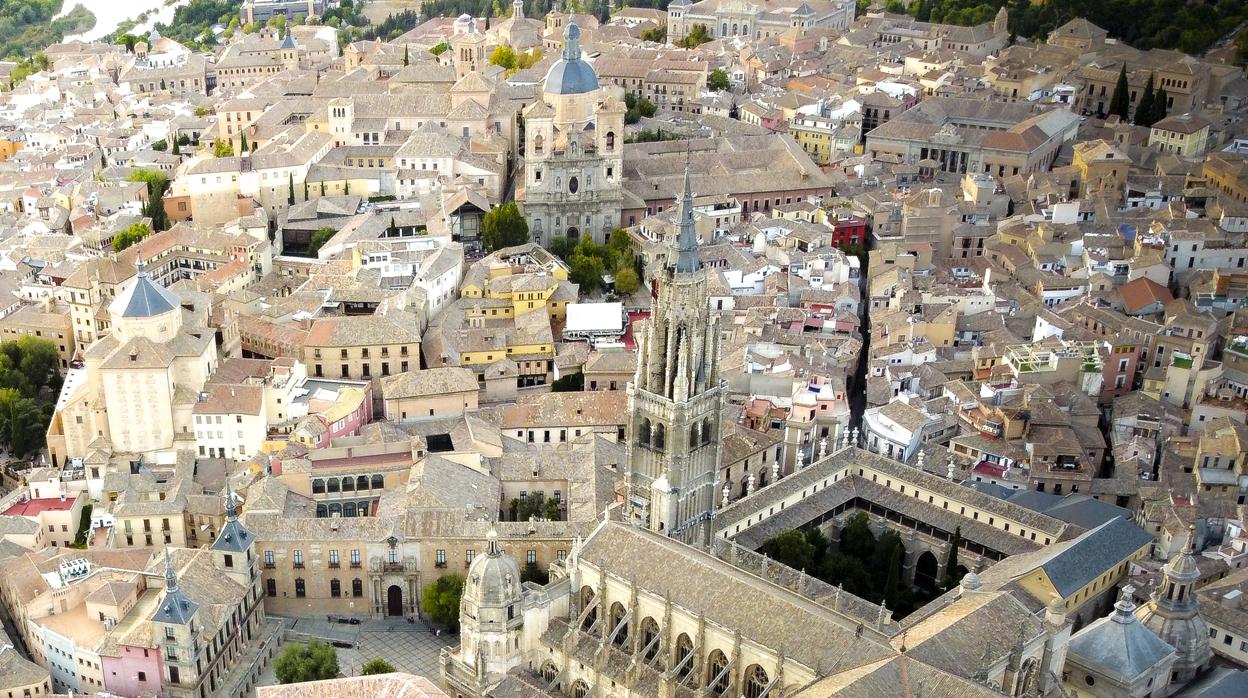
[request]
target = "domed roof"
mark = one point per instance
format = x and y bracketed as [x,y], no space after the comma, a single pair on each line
[571,75]
[493,578]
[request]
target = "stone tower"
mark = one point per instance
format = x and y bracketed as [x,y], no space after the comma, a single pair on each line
[1173,614]
[491,621]
[573,152]
[676,399]
[467,46]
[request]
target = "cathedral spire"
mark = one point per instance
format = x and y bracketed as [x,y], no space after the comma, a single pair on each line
[572,42]
[231,509]
[687,239]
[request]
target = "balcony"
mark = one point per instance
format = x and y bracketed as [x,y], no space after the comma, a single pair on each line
[356,565]
[270,566]
[298,565]
[333,565]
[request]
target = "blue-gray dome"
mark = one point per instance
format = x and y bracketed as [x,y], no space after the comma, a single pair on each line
[571,75]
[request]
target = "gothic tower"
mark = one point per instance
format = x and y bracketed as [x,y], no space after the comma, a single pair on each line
[676,399]
[1173,614]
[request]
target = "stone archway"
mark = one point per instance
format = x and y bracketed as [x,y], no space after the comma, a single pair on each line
[649,638]
[587,600]
[756,681]
[927,571]
[573,234]
[684,647]
[394,600]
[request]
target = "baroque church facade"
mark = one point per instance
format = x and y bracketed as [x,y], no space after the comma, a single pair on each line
[574,152]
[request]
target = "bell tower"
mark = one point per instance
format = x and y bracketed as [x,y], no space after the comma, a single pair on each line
[676,400]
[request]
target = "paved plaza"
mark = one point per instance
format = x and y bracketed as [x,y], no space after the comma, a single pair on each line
[410,647]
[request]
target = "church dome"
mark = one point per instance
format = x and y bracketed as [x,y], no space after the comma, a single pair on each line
[571,75]
[493,578]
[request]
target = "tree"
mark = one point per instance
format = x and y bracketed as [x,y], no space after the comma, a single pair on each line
[160,145]
[441,600]
[951,562]
[857,539]
[223,149]
[242,142]
[1144,108]
[532,572]
[407,56]
[290,189]
[697,36]
[571,383]
[305,190]
[315,661]
[319,237]
[1120,100]
[626,281]
[439,49]
[717,81]
[504,56]
[656,34]
[792,549]
[377,665]
[586,267]
[503,227]
[322,187]
[1160,106]
[129,236]
[177,147]
[154,209]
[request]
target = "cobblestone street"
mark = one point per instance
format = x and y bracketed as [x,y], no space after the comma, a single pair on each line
[410,647]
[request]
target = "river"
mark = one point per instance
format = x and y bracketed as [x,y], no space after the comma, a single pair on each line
[110,13]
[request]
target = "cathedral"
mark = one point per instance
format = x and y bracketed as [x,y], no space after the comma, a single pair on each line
[574,153]
[675,400]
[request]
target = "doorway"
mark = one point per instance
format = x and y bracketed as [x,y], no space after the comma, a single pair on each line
[394,600]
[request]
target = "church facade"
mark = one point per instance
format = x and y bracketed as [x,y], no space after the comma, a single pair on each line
[755,20]
[574,153]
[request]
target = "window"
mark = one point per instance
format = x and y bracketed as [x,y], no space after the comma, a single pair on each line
[300,590]
[531,557]
[270,587]
[355,557]
[440,558]
[335,588]
[357,588]
[298,558]
[333,558]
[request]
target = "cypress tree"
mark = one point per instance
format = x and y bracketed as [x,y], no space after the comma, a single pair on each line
[1144,110]
[290,190]
[1120,101]
[305,190]
[1159,106]
[242,143]
[322,187]
[407,58]
[176,149]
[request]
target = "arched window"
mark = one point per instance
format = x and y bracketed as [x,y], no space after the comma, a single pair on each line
[361,482]
[378,482]
[684,647]
[724,30]
[348,509]
[694,435]
[318,486]
[348,484]
[734,28]
[538,144]
[617,616]
[335,588]
[321,511]
[332,484]
[660,436]
[756,681]
[610,141]
[716,678]
[649,638]
[549,672]
[357,588]
[708,433]
[335,508]
[643,431]
[587,600]
[580,689]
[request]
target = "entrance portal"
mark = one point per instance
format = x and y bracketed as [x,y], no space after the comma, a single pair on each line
[394,601]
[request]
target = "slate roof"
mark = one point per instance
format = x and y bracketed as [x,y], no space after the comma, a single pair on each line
[1089,555]
[145,298]
[1119,645]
